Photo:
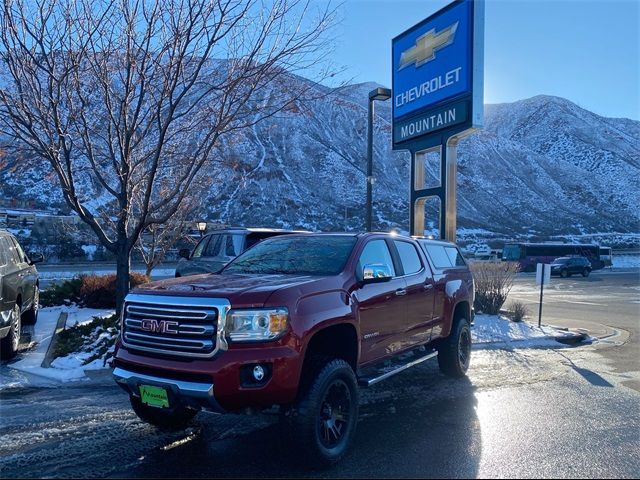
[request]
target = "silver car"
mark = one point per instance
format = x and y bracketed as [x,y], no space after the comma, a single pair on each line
[218,248]
[19,292]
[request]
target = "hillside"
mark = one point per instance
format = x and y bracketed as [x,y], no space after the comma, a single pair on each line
[541,166]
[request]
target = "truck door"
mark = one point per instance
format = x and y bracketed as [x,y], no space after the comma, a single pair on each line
[26,275]
[420,294]
[11,280]
[381,306]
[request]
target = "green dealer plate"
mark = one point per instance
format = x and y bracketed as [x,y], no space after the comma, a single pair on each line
[154,396]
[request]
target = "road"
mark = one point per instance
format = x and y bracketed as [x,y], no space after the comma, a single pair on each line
[609,297]
[52,273]
[565,412]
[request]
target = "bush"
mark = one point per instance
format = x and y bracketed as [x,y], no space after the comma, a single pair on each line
[79,337]
[93,291]
[493,283]
[63,293]
[518,311]
[99,291]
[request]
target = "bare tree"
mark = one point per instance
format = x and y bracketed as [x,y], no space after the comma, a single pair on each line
[156,240]
[131,98]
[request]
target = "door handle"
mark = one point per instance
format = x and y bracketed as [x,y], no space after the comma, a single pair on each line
[427,286]
[400,292]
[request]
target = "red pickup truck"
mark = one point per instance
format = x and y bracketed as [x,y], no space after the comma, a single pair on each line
[298,321]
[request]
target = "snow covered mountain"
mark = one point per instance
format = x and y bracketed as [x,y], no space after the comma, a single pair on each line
[541,166]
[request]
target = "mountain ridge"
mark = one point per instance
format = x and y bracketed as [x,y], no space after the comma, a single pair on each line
[540,167]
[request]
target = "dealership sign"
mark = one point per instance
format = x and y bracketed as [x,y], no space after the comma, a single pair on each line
[437,74]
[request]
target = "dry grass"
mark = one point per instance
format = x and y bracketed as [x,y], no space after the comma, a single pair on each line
[519,311]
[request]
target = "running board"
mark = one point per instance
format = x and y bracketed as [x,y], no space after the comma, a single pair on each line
[367,382]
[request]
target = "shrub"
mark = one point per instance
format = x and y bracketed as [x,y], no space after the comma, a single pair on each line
[93,291]
[99,291]
[493,282]
[79,337]
[518,311]
[61,293]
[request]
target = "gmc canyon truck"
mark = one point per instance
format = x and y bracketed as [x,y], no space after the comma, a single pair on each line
[299,322]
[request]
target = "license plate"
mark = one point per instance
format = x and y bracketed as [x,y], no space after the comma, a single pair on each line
[154,396]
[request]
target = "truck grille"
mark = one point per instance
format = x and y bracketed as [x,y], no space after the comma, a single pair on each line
[171,325]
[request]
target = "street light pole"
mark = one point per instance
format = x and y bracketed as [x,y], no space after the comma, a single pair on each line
[370,165]
[377,94]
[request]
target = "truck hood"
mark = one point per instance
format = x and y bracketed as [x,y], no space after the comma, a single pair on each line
[241,290]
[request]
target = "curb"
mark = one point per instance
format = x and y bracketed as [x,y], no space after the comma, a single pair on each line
[99,375]
[60,326]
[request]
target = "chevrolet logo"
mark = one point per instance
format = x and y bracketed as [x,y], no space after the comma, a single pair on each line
[427,45]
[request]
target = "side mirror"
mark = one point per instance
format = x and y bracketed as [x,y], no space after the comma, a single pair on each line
[36,258]
[184,253]
[376,273]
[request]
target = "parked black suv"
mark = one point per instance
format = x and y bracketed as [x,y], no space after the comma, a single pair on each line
[19,292]
[218,248]
[567,266]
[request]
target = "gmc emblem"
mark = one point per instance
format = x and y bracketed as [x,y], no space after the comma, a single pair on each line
[159,326]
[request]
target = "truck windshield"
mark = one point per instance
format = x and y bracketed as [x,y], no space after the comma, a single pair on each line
[296,255]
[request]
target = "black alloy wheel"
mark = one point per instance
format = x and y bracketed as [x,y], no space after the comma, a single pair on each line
[334,415]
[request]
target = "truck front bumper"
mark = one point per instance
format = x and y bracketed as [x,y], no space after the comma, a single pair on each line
[189,394]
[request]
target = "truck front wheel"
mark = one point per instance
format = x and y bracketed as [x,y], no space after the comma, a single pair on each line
[324,421]
[176,419]
[454,353]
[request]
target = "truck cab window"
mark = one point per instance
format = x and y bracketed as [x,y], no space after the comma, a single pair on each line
[409,257]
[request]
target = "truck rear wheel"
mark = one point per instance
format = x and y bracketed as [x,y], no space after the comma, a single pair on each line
[30,317]
[454,353]
[9,344]
[323,424]
[176,419]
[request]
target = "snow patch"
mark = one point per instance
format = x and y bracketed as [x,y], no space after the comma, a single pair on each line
[626,261]
[31,362]
[492,331]
[89,250]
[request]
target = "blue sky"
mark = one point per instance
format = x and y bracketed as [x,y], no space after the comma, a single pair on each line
[587,51]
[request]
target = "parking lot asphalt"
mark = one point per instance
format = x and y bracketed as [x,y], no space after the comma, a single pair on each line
[606,303]
[520,413]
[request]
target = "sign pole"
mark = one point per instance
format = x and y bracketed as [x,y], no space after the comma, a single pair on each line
[541,291]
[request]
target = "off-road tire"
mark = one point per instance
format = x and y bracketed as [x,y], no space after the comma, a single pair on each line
[176,419]
[454,352]
[314,417]
[30,317]
[9,344]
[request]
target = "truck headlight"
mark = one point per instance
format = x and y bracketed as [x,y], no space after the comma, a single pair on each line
[256,325]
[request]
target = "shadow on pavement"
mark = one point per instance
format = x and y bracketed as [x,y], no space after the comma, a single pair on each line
[412,436]
[592,377]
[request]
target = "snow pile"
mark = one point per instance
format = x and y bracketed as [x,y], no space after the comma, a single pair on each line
[626,261]
[30,364]
[490,331]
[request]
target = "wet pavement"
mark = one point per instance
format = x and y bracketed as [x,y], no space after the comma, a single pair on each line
[520,413]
